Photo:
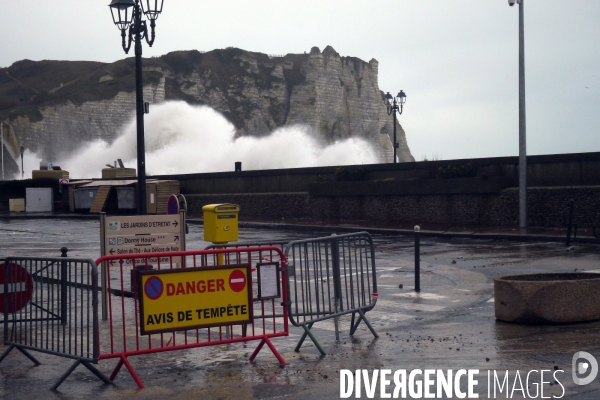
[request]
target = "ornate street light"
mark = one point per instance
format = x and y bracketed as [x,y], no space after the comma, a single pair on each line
[394,105]
[127,15]
[22,150]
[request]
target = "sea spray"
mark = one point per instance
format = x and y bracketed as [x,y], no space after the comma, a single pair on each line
[181,138]
[31,161]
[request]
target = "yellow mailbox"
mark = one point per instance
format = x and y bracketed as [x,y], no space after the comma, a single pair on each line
[221,223]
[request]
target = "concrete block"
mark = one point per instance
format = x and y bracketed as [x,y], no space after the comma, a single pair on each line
[547,298]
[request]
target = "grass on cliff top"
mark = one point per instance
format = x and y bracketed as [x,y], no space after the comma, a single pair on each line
[27,86]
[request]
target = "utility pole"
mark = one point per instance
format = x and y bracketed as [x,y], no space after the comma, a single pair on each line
[522,125]
[2,146]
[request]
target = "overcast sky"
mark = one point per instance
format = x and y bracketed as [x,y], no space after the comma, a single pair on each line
[456,60]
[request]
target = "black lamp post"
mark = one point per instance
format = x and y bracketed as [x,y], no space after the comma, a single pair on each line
[394,105]
[128,14]
[22,150]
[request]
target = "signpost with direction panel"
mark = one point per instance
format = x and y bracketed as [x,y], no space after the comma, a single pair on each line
[140,234]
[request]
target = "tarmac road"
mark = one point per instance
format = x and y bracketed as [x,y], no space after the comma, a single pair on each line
[450,324]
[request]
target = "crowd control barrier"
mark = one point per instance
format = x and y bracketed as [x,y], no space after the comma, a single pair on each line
[280,244]
[329,277]
[135,329]
[50,305]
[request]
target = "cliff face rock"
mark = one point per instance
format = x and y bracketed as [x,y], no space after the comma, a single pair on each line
[64,127]
[55,106]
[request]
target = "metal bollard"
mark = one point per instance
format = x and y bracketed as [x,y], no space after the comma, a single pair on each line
[570,221]
[337,284]
[417,259]
[63,287]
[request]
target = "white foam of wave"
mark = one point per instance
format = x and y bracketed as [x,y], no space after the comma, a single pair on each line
[181,138]
[31,161]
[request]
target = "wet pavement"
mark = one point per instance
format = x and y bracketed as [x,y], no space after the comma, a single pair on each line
[450,324]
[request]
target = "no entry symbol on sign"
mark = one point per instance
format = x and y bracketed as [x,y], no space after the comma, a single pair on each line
[154,287]
[237,280]
[18,285]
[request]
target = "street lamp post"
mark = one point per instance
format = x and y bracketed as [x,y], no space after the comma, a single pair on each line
[127,14]
[522,125]
[2,147]
[394,105]
[22,150]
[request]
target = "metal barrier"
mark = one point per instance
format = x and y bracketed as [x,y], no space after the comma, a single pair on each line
[238,245]
[329,277]
[50,305]
[279,244]
[269,318]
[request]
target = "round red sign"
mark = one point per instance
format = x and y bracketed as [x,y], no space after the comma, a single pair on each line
[154,287]
[237,280]
[18,286]
[172,205]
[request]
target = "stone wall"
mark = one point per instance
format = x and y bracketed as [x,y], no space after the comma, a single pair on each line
[546,206]
[411,192]
[403,178]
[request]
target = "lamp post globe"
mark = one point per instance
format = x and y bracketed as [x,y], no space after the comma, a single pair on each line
[122,13]
[152,8]
[402,98]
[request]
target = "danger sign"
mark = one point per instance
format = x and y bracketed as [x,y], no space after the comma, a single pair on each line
[17,285]
[192,298]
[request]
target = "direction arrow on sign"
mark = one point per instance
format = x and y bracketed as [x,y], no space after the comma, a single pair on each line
[141,224]
[143,249]
[164,261]
[135,240]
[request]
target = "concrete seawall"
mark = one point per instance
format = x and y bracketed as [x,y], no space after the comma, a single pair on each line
[546,170]
[411,192]
[546,205]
